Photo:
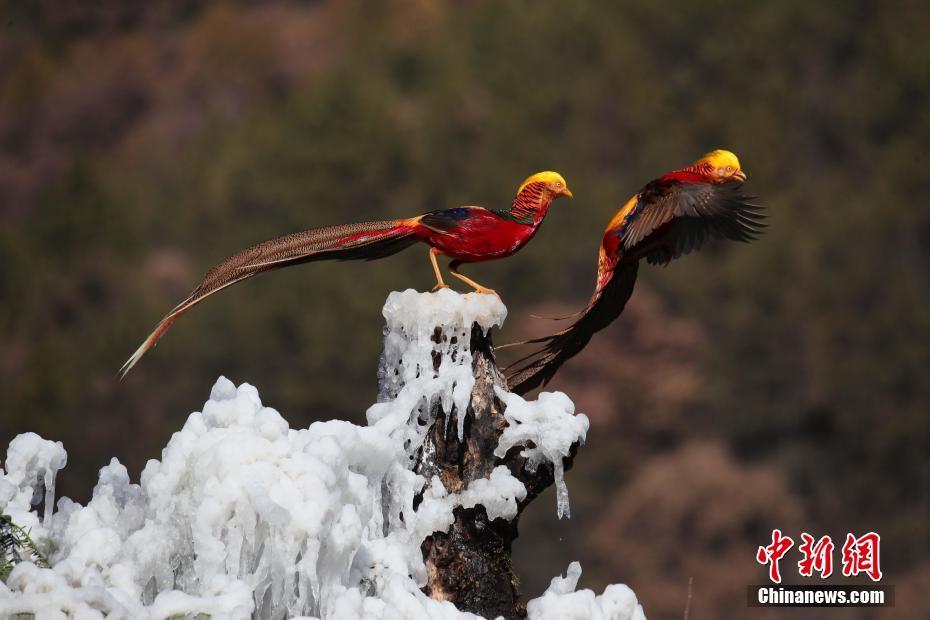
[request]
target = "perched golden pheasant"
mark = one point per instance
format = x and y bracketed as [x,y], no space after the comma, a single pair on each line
[670,216]
[465,234]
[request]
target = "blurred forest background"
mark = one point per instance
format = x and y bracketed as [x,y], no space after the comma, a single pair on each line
[780,384]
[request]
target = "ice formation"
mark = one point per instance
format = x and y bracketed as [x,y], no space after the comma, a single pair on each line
[244,517]
[560,601]
[550,426]
[33,464]
[420,329]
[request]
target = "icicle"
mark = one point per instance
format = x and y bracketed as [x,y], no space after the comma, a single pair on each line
[561,490]
[49,495]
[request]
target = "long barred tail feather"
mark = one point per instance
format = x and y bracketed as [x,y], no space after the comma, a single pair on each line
[537,368]
[557,318]
[365,241]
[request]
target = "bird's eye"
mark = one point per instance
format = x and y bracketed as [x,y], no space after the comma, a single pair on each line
[729,169]
[558,184]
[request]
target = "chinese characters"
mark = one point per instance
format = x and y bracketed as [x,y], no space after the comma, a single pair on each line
[859,555]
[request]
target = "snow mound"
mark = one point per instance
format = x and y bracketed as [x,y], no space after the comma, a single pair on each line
[560,601]
[244,517]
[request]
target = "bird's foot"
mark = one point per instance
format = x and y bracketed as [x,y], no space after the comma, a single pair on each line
[439,287]
[486,291]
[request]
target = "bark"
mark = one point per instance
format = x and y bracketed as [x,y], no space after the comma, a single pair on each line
[470,564]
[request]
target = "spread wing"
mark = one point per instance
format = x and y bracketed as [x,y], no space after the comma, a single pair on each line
[673,218]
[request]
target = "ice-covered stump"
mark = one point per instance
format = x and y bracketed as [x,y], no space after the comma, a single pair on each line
[244,517]
[447,399]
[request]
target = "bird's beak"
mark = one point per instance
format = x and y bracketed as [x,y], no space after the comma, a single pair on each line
[566,192]
[739,175]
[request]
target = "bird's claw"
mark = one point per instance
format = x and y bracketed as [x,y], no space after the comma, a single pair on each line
[439,287]
[486,291]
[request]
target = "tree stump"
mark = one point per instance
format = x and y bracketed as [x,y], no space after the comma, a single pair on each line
[470,565]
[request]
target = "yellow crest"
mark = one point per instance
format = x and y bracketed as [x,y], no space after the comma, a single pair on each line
[719,159]
[544,177]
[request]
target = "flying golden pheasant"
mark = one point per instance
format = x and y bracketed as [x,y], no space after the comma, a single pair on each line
[671,216]
[465,234]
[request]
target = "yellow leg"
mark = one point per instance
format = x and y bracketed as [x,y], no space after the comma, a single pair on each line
[432,258]
[454,270]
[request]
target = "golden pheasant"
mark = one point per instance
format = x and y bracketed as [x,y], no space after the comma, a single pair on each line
[671,216]
[465,234]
